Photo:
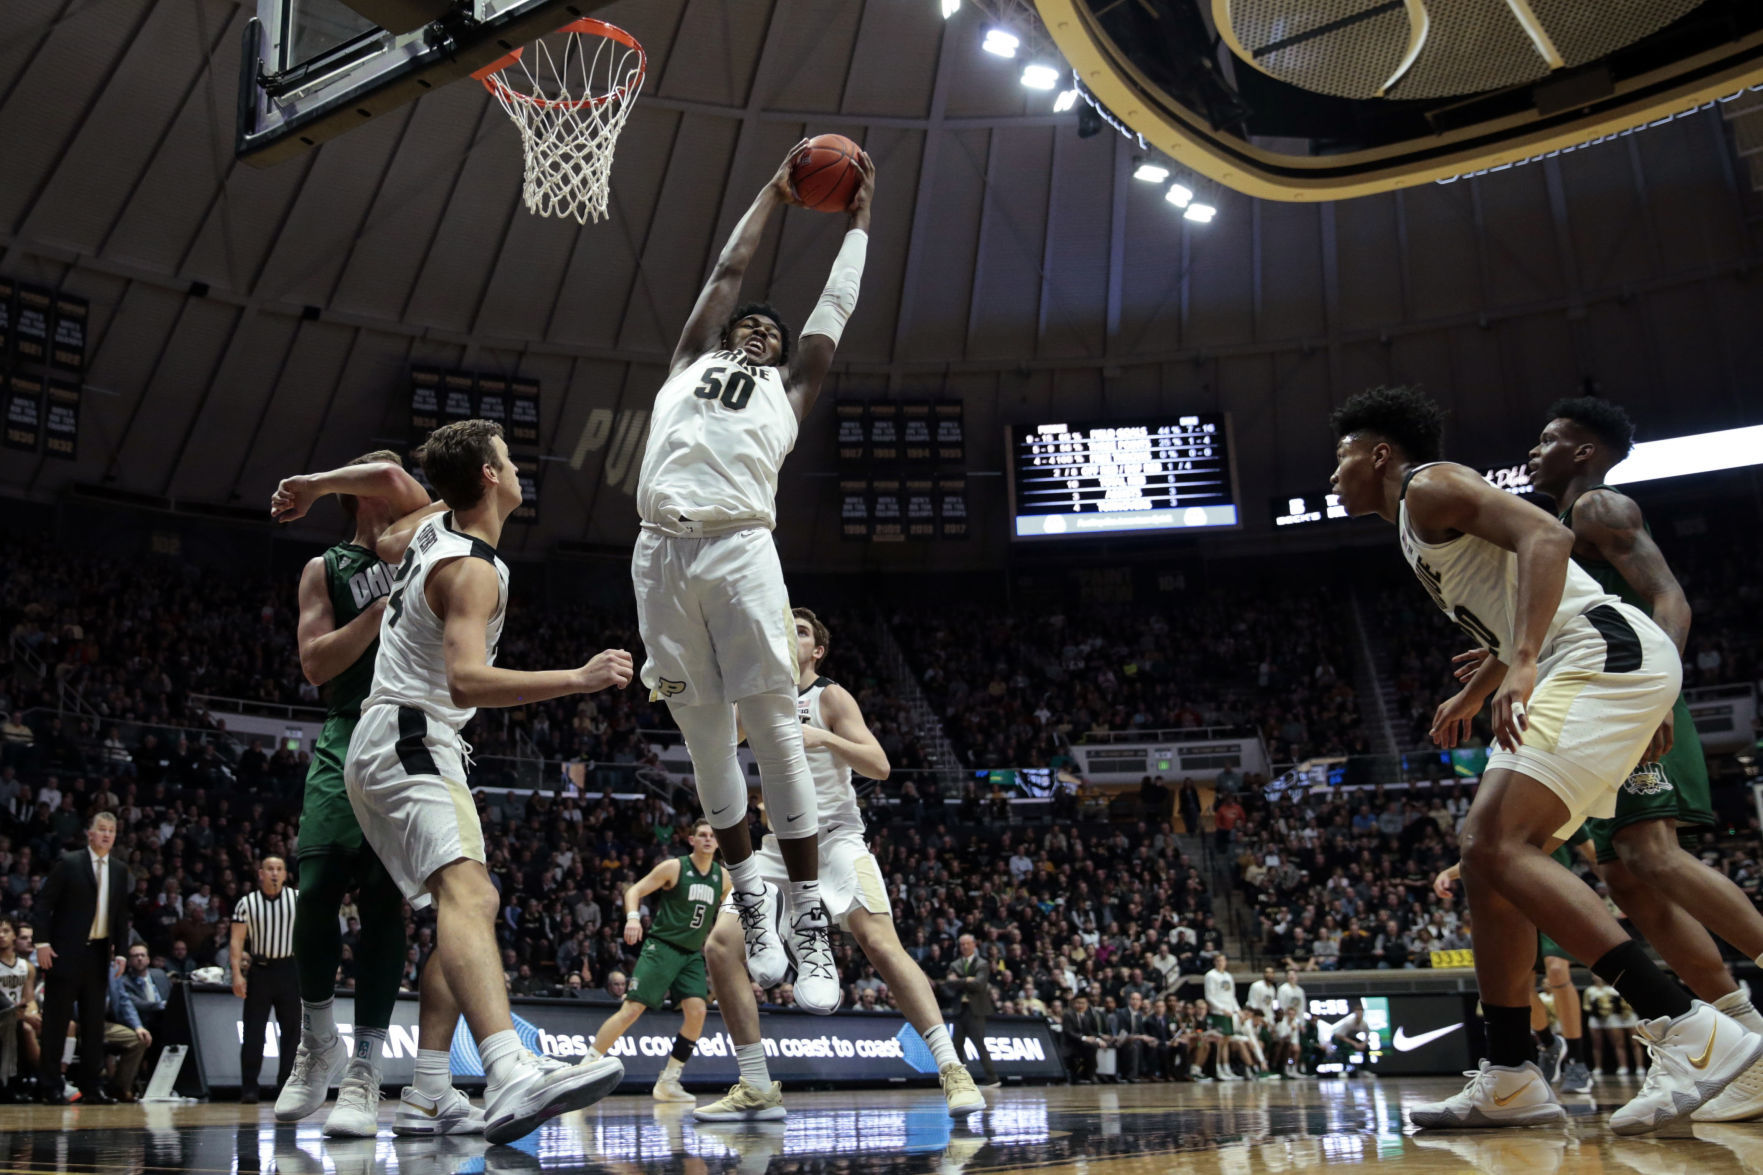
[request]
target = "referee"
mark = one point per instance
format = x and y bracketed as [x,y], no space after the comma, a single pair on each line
[267,916]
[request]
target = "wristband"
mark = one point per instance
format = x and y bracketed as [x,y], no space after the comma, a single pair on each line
[633,914]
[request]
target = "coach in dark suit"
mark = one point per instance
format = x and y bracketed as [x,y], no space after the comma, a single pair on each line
[82,924]
[970,976]
[1083,1035]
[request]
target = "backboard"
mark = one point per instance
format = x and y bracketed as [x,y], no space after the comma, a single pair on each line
[311,70]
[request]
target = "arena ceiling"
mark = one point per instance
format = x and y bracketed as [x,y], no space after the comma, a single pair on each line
[248,322]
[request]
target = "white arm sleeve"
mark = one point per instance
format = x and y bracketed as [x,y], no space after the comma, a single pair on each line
[839,299]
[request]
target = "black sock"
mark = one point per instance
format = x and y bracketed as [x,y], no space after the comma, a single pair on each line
[1648,990]
[1577,1051]
[1546,1037]
[682,1049]
[1509,1040]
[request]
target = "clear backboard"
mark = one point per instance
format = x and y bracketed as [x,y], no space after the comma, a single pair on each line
[312,69]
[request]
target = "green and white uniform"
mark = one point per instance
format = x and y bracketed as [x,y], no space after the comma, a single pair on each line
[355,578]
[1547,947]
[672,960]
[1676,787]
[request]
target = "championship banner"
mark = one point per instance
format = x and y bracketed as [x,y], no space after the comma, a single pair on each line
[952,507]
[887,515]
[31,328]
[24,412]
[882,424]
[921,508]
[951,436]
[915,432]
[528,510]
[840,1050]
[8,317]
[457,400]
[854,508]
[68,351]
[492,400]
[425,402]
[61,420]
[853,439]
[523,413]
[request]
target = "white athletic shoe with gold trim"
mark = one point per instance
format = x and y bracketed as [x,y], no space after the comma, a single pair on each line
[959,1090]
[668,1089]
[420,1115]
[1497,1095]
[1704,1067]
[745,1103]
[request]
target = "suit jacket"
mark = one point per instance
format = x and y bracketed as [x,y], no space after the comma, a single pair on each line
[70,899]
[972,978]
[1079,1026]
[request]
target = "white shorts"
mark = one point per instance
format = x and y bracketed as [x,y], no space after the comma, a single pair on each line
[850,878]
[714,616]
[1607,682]
[406,782]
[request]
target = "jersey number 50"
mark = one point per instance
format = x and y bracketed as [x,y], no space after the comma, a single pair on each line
[734,389]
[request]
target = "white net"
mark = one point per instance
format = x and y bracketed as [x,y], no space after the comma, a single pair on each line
[569,95]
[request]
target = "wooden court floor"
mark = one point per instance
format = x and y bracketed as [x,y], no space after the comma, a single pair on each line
[1088,1130]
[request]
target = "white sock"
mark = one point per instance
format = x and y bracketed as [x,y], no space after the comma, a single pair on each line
[745,877]
[804,896]
[502,1055]
[672,1070]
[594,1054]
[317,1020]
[753,1070]
[941,1047]
[68,1047]
[434,1073]
[368,1045]
[1737,1004]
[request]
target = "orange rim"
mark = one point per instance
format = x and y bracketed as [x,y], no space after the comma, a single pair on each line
[488,75]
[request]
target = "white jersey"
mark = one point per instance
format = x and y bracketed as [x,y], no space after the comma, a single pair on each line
[411,669]
[1221,993]
[1261,997]
[12,979]
[1475,583]
[1292,998]
[718,434]
[832,776]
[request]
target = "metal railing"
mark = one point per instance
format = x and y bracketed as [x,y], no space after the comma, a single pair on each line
[1167,735]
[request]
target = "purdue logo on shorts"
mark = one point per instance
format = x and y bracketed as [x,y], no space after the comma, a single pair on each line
[669,688]
[1647,780]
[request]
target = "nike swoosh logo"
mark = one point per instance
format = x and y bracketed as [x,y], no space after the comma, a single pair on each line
[1502,1101]
[719,811]
[1702,1061]
[1407,1044]
[793,819]
[423,1110]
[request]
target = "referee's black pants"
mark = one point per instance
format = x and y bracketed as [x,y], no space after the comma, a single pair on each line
[970,1025]
[271,983]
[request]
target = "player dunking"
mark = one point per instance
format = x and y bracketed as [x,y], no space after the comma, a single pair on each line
[711,603]
[692,888]
[1579,681]
[342,598]
[837,739]
[405,771]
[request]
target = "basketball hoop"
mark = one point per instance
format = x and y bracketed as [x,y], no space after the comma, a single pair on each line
[569,111]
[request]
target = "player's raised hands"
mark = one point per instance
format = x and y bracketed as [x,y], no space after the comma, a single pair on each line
[780,183]
[293,498]
[859,206]
[610,668]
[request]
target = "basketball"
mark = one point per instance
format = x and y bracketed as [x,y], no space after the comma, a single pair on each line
[825,173]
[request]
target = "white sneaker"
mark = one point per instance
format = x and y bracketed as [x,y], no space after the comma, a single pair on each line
[420,1115]
[761,914]
[1196,1073]
[1695,1058]
[745,1103]
[959,1090]
[543,1089]
[1622,1070]
[817,975]
[668,1089]
[357,1112]
[1497,1095]
[318,1065]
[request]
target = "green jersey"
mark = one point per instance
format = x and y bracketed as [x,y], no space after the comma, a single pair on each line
[1605,573]
[685,913]
[355,577]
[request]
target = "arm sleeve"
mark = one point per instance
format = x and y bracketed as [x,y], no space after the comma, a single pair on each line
[839,300]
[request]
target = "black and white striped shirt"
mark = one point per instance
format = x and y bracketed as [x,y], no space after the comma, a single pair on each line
[269,923]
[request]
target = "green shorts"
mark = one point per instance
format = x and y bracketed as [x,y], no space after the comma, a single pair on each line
[327,822]
[663,968]
[1675,788]
[1546,946]
[1223,1025]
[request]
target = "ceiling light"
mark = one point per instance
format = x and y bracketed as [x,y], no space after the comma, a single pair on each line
[1151,173]
[1002,43]
[1179,195]
[1065,101]
[1040,77]
[950,8]
[1201,213]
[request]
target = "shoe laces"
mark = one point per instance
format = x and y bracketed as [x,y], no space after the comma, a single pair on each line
[1480,1080]
[1660,1059]
[360,1086]
[814,953]
[752,915]
[305,1061]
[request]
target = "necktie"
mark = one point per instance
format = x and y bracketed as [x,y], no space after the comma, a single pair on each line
[101,916]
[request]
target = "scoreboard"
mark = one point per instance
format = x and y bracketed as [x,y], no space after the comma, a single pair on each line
[1172,473]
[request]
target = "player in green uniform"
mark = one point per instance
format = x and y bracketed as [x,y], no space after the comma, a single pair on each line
[342,595]
[692,889]
[1672,897]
